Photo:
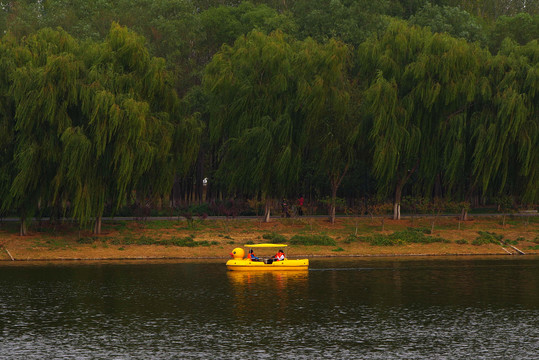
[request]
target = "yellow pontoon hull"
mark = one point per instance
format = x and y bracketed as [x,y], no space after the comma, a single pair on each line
[248,265]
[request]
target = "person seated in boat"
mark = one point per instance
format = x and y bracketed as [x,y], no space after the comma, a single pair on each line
[251,256]
[279,256]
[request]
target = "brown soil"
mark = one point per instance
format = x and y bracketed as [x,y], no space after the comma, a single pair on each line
[63,242]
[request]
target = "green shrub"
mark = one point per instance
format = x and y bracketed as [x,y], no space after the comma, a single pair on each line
[116,241]
[187,241]
[87,240]
[379,240]
[461,241]
[199,209]
[351,238]
[423,230]
[338,249]
[274,238]
[312,240]
[145,240]
[409,236]
[184,242]
[486,237]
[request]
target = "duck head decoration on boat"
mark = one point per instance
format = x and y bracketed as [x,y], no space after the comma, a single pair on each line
[237,253]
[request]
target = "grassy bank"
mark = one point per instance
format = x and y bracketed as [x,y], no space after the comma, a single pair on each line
[200,238]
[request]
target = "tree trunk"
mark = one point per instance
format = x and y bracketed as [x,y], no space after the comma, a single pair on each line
[398,192]
[335,183]
[464,215]
[396,211]
[97,225]
[397,203]
[267,211]
[24,229]
[332,205]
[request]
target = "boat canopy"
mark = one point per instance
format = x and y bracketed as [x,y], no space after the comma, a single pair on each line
[265,245]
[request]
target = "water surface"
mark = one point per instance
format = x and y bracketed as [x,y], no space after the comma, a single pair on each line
[375,308]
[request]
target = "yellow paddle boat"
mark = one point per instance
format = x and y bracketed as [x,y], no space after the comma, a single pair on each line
[252,263]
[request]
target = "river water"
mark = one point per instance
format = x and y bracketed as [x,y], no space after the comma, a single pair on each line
[374,308]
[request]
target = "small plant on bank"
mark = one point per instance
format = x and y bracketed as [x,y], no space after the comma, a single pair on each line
[505,206]
[145,240]
[338,249]
[486,237]
[410,236]
[87,240]
[312,240]
[423,230]
[351,238]
[511,242]
[186,241]
[379,209]
[274,238]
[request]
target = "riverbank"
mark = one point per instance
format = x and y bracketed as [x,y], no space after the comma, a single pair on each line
[310,237]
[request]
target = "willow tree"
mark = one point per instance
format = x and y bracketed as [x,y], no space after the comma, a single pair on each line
[323,97]
[422,82]
[506,127]
[127,103]
[92,121]
[7,123]
[45,90]
[252,91]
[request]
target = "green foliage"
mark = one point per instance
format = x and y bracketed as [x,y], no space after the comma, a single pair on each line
[87,240]
[486,237]
[410,236]
[506,126]
[224,24]
[419,91]
[93,122]
[521,28]
[251,87]
[90,117]
[324,95]
[452,20]
[461,241]
[505,203]
[350,22]
[323,240]
[275,238]
[186,241]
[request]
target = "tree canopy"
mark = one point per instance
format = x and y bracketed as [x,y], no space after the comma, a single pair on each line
[108,105]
